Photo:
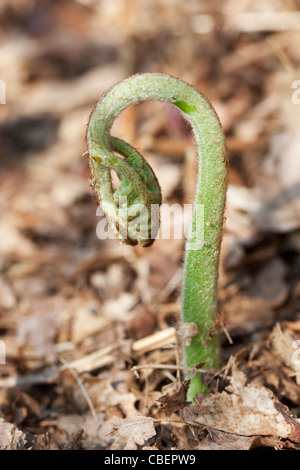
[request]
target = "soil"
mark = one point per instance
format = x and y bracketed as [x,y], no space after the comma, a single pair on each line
[91,336]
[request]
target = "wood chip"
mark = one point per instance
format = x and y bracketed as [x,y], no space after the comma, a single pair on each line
[155,341]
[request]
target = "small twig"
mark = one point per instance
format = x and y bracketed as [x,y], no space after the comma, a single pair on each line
[73,441]
[169,376]
[224,369]
[226,332]
[170,287]
[171,367]
[82,389]
[283,57]
[155,341]
[162,366]
[93,360]
[177,421]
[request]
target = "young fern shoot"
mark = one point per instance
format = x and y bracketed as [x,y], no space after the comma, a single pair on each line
[140,191]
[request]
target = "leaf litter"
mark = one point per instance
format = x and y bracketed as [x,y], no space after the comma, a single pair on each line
[91,329]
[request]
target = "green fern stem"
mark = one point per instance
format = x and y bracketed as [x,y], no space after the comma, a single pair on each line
[141,188]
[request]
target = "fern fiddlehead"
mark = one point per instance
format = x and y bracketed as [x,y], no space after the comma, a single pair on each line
[140,190]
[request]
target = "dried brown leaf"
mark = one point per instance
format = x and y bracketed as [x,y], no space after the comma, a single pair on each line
[287,346]
[220,440]
[247,410]
[136,431]
[11,438]
[104,395]
[173,403]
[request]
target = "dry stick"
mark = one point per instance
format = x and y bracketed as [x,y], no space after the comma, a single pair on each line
[72,442]
[165,366]
[93,360]
[155,341]
[129,208]
[82,389]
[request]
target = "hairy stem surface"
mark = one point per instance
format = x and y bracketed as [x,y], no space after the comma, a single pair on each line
[139,184]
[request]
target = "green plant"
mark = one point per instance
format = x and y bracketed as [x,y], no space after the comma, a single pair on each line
[140,189]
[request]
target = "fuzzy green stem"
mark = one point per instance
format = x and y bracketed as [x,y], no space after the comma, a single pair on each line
[199,294]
